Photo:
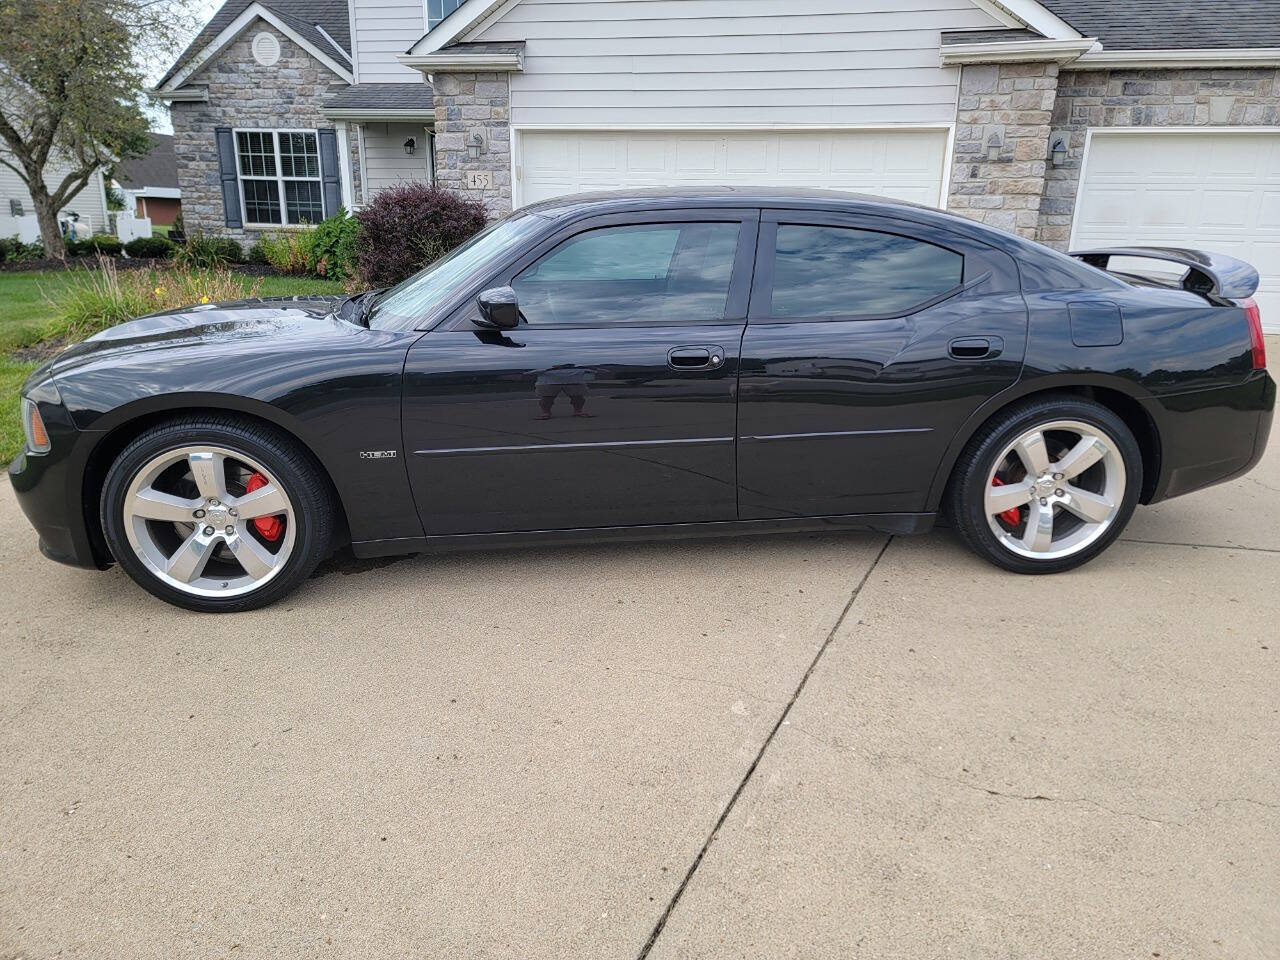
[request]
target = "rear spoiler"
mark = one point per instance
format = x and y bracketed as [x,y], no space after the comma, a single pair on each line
[1209,274]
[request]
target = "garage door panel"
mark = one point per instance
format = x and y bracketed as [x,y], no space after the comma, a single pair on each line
[1216,191]
[906,164]
[1168,207]
[1105,207]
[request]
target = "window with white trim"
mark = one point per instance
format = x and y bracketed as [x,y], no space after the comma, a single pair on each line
[279,172]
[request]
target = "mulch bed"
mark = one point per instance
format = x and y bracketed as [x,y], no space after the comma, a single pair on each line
[39,352]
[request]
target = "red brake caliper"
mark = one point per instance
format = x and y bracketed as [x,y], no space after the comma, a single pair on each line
[1010,516]
[271,528]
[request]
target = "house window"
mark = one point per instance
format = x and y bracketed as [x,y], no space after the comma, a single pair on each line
[279,176]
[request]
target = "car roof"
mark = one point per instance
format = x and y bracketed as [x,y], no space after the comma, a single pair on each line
[716,196]
[578,205]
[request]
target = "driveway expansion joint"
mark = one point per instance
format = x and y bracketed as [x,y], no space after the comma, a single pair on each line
[746,777]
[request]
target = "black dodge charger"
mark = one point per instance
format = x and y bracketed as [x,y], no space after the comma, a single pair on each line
[654,364]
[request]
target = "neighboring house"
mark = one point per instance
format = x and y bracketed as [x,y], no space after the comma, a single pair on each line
[1075,122]
[18,216]
[150,182]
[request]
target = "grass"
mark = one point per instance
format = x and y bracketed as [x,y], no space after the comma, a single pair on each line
[33,308]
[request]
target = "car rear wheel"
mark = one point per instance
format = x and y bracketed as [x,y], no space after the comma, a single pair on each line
[1047,486]
[215,514]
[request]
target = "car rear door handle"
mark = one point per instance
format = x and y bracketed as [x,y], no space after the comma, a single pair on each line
[975,348]
[695,358]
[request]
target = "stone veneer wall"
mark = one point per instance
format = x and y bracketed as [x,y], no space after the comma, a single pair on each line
[242,93]
[353,151]
[1145,98]
[468,103]
[1015,101]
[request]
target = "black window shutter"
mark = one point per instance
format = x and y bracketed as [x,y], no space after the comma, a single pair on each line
[227,173]
[330,180]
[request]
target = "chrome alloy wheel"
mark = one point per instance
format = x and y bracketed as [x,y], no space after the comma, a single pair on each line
[1055,490]
[190,514]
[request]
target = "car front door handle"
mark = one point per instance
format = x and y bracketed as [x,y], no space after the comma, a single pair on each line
[695,358]
[975,348]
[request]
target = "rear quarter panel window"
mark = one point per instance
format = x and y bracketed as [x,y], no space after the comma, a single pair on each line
[827,271]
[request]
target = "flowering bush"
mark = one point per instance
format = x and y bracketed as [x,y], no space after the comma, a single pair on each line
[103,297]
[406,227]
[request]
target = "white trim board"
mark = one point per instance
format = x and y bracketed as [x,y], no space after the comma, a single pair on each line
[1029,13]
[255,11]
[454,25]
[1246,57]
[1017,51]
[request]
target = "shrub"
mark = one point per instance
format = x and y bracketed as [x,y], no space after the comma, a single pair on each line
[289,251]
[150,248]
[105,244]
[333,248]
[96,299]
[405,228]
[257,255]
[14,250]
[204,252]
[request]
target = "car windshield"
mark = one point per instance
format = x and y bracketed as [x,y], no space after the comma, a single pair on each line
[407,303]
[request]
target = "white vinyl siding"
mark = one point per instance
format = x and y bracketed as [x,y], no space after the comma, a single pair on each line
[1217,191]
[89,202]
[386,163]
[758,63]
[903,164]
[384,29]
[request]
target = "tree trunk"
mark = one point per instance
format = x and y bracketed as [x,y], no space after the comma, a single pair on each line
[47,216]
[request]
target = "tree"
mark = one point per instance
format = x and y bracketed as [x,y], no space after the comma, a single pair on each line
[70,84]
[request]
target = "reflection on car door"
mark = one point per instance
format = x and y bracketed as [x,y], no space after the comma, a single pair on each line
[612,404]
[869,342]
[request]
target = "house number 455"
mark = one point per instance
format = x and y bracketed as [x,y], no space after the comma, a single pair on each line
[479,180]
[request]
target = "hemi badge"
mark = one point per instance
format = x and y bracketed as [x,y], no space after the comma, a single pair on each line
[377,454]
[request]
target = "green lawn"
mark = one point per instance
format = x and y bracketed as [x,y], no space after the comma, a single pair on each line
[29,313]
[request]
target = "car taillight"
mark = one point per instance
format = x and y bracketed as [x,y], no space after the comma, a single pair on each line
[1256,340]
[33,424]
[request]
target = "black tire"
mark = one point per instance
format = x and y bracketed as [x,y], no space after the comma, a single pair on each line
[965,497]
[307,490]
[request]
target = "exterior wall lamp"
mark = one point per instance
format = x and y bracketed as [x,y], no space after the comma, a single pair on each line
[993,147]
[1058,151]
[410,146]
[476,146]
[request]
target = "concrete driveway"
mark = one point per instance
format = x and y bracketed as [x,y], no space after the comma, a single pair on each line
[809,746]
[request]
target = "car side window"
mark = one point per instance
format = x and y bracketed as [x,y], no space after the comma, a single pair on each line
[823,271]
[635,274]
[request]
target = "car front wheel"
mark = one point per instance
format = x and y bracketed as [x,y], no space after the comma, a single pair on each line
[216,514]
[1047,486]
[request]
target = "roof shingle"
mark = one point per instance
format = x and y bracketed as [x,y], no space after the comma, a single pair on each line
[1173,24]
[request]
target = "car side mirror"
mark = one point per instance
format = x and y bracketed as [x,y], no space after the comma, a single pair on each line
[499,309]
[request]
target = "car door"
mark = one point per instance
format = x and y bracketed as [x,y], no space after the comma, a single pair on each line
[869,341]
[611,404]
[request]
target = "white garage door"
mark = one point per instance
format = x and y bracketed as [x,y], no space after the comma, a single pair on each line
[1214,191]
[906,164]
